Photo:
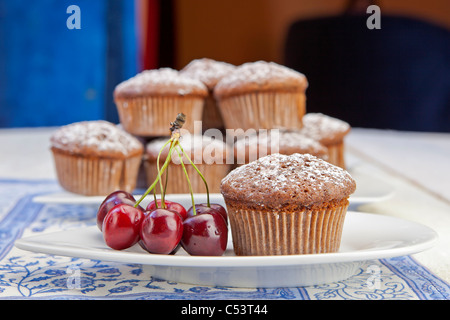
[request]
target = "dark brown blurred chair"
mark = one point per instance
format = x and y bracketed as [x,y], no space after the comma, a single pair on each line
[396,77]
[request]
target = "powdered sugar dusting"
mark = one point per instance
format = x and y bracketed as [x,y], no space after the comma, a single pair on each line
[321,127]
[99,137]
[260,73]
[201,149]
[283,139]
[207,70]
[161,81]
[281,179]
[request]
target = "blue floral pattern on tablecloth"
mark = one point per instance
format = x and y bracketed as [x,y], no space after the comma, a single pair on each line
[39,276]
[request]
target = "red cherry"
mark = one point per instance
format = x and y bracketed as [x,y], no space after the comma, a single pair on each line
[170,205]
[113,199]
[202,208]
[176,248]
[122,225]
[161,231]
[174,251]
[205,235]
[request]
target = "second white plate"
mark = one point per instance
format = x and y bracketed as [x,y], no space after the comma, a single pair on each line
[369,189]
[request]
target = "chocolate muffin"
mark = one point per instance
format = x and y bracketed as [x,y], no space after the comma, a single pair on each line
[262,95]
[95,158]
[208,154]
[287,204]
[265,142]
[148,102]
[330,132]
[209,72]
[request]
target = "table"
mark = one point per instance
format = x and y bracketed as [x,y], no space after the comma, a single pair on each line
[414,164]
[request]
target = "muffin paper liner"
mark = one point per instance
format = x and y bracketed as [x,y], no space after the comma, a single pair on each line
[336,154]
[177,183]
[151,116]
[263,110]
[96,176]
[285,232]
[212,118]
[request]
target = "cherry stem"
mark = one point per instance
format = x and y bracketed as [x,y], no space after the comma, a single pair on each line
[187,178]
[163,204]
[154,197]
[201,175]
[165,185]
[164,167]
[174,142]
[166,182]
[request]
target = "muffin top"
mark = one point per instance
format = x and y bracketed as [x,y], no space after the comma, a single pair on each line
[208,71]
[161,82]
[95,138]
[277,180]
[325,129]
[278,141]
[200,148]
[260,76]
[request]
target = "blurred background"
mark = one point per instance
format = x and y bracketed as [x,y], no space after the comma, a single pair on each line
[396,77]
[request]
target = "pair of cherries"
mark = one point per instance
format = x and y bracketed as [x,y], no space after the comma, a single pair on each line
[162,229]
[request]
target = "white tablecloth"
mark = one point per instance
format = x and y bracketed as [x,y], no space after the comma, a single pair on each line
[415,165]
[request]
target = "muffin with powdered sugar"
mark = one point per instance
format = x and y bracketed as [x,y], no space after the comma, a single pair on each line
[208,154]
[248,148]
[330,132]
[95,158]
[210,72]
[262,95]
[287,204]
[147,102]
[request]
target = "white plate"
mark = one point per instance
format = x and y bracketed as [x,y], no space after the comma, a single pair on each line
[71,198]
[369,189]
[365,237]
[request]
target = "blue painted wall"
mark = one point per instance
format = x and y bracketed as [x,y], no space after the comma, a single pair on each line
[51,75]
